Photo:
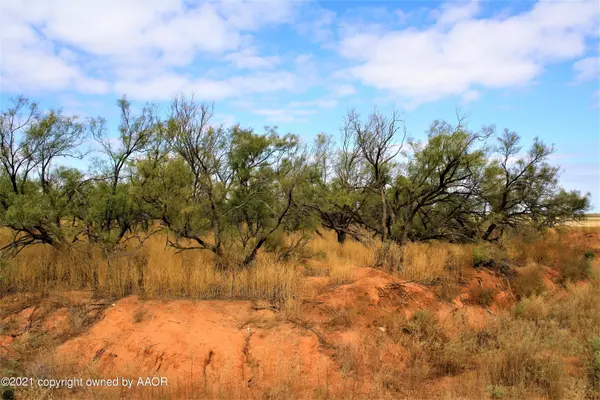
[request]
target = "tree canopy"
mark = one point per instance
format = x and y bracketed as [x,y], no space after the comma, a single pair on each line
[231,190]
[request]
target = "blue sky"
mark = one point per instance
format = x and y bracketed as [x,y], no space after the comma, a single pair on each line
[533,67]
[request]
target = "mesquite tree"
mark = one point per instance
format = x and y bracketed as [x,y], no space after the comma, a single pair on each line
[376,139]
[521,189]
[234,187]
[234,192]
[34,196]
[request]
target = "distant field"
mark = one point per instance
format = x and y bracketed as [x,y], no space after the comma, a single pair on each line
[591,220]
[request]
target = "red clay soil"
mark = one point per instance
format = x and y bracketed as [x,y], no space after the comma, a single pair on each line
[229,347]
[234,349]
[242,349]
[212,344]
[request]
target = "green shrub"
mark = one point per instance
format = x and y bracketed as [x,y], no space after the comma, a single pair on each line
[481,256]
[490,256]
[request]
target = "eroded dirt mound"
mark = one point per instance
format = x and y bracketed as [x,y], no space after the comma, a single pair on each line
[375,293]
[57,317]
[217,346]
[240,349]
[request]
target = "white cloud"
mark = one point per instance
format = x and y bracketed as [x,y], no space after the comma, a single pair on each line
[249,59]
[470,96]
[295,111]
[587,69]
[153,49]
[29,64]
[317,24]
[134,46]
[163,87]
[459,51]
[314,103]
[254,14]
[344,90]
[451,13]
[127,29]
[303,59]
[227,120]
[402,16]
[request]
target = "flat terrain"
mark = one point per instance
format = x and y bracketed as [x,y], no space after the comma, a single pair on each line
[591,220]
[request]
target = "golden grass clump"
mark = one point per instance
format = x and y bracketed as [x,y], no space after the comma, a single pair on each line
[430,261]
[351,251]
[340,259]
[153,271]
[529,281]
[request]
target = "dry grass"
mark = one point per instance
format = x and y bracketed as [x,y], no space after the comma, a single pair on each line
[358,254]
[556,249]
[341,259]
[556,356]
[430,261]
[590,221]
[529,281]
[153,271]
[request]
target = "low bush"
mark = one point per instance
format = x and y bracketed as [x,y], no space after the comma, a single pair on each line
[532,308]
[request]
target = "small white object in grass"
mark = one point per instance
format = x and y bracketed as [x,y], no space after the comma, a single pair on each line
[381,328]
[249,331]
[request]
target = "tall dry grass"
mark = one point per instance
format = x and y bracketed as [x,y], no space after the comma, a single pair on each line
[556,355]
[153,271]
[157,270]
[341,259]
[560,249]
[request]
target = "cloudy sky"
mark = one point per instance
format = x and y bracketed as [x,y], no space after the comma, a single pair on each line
[533,67]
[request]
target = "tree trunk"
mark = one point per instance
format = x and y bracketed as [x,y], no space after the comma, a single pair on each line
[489,231]
[341,236]
[13,181]
[250,257]
[384,232]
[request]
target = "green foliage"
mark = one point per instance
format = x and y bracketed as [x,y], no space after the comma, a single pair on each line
[235,190]
[481,256]
[437,196]
[487,255]
[523,189]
